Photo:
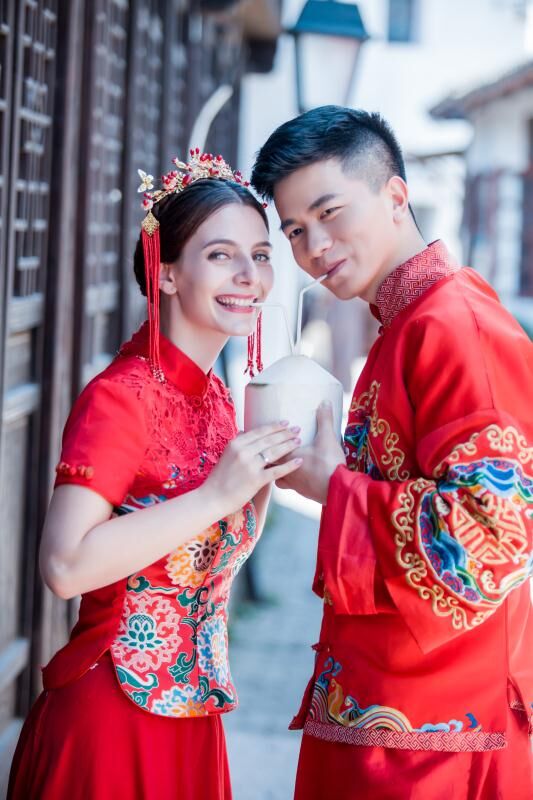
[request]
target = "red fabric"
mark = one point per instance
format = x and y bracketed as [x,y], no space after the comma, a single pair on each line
[329,771]
[86,740]
[106,432]
[148,440]
[425,544]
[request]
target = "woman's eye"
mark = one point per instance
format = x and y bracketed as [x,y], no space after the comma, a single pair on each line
[219,255]
[264,258]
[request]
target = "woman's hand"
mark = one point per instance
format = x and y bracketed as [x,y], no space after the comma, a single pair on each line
[247,465]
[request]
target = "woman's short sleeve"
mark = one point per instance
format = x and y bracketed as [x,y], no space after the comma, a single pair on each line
[104,440]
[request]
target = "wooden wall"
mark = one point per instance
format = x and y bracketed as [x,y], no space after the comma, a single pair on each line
[90,90]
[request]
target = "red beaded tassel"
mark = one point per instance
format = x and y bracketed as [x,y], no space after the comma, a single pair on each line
[255,341]
[259,344]
[152,261]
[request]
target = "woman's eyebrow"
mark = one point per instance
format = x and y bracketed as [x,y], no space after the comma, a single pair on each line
[231,243]
[220,241]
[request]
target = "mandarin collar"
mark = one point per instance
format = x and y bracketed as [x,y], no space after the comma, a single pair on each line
[411,279]
[176,365]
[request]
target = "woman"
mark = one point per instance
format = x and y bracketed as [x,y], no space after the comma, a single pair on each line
[131,705]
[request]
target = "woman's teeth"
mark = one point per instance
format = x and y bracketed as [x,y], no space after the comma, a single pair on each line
[234,301]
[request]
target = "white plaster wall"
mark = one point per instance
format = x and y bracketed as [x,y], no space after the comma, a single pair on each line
[500,134]
[460,45]
[500,142]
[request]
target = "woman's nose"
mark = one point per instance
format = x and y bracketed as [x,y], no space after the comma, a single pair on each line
[248,273]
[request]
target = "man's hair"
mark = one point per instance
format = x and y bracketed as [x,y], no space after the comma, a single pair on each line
[363,142]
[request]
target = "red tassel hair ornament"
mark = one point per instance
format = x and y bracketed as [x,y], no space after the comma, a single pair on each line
[255,349]
[152,264]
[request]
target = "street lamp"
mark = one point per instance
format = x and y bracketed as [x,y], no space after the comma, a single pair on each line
[328,37]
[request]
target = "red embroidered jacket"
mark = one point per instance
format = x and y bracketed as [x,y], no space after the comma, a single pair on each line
[425,545]
[137,441]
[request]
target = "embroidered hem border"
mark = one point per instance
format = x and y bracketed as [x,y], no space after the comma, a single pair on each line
[407,740]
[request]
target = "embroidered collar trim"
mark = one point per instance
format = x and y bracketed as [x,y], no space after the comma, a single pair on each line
[411,279]
[177,367]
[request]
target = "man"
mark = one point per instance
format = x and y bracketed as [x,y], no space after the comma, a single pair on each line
[423,682]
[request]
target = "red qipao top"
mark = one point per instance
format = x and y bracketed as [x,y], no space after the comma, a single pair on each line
[138,441]
[426,541]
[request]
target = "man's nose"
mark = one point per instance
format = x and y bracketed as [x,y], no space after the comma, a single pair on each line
[318,242]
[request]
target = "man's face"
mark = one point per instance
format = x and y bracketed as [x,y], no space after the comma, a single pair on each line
[337,223]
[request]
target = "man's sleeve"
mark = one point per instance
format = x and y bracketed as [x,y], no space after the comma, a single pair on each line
[446,549]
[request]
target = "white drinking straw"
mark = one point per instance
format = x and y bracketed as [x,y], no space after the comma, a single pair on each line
[295,346]
[287,328]
[300,310]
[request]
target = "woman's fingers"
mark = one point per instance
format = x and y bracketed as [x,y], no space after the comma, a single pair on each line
[272,454]
[281,470]
[245,439]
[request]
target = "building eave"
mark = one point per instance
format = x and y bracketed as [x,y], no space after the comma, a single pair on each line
[461,106]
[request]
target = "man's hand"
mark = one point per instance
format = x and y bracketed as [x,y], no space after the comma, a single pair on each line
[320,460]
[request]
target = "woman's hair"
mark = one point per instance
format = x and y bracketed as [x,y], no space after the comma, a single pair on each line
[180,216]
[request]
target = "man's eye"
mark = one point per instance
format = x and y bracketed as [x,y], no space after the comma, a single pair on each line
[294,233]
[329,211]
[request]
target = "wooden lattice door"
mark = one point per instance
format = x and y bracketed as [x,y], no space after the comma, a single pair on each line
[28,32]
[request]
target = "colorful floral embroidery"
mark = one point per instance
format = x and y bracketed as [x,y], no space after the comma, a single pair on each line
[462,529]
[148,634]
[191,701]
[189,563]
[174,621]
[213,650]
[364,426]
[331,708]
[181,701]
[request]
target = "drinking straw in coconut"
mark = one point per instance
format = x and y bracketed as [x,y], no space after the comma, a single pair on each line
[287,328]
[300,311]
[295,345]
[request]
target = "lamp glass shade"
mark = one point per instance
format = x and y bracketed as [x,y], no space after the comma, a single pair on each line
[326,67]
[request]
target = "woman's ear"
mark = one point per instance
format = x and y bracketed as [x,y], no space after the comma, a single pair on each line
[167,279]
[399,196]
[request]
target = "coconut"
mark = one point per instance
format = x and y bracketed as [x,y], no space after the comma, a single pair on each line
[292,389]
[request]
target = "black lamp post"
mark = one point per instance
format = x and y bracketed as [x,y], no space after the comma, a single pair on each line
[328,37]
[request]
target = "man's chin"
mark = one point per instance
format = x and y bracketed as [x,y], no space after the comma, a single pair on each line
[343,291]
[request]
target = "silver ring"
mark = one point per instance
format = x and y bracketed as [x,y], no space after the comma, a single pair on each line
[265,459]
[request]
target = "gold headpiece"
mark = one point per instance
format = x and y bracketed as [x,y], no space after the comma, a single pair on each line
[201,166]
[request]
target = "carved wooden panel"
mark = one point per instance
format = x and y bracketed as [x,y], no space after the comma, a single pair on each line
[101,188]
[28,32]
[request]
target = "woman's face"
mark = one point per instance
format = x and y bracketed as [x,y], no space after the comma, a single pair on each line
[224,267]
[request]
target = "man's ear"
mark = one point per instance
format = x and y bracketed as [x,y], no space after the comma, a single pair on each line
[167,279]
[399,195]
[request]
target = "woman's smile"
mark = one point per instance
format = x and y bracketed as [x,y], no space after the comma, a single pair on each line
[237,304]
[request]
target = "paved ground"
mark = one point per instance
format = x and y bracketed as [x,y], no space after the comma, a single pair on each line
[271,657]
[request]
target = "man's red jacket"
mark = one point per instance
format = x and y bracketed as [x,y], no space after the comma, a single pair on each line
[425,547]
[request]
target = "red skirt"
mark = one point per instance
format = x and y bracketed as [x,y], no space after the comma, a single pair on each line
[88,740]
[328,770]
